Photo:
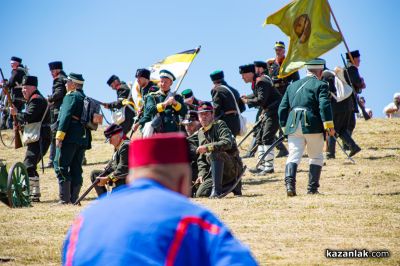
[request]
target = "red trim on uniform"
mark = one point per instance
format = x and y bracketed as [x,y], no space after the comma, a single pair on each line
[181,229]
[73,239]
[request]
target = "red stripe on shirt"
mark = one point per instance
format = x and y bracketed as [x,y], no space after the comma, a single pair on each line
[181,232]
[73,239]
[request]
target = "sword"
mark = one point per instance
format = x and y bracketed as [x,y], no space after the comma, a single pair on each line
[341,147]
[251,131]
[276,143]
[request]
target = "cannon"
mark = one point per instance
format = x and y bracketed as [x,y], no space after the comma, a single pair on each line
[14,186]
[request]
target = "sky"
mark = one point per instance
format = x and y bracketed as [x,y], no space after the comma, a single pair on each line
[98,38]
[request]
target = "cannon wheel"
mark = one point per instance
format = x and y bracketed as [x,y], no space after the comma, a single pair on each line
[7,138]
[18,186]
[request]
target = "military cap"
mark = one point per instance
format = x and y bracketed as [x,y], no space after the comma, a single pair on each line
[247,69]
[112,130]
[167,74]
[111,79]
[156,150]
[30,81]
[55,65]
[260,64]
[279,44]
[217,75]
[354,54]
[190,117]
[76,78]
[187,93]
[317,63]
[16,59]
[205,107]
[142,72]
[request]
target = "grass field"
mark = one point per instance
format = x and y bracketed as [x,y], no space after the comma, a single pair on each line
[359,208]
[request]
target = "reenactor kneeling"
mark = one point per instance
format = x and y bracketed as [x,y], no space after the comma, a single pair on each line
[219,164]
[114,175]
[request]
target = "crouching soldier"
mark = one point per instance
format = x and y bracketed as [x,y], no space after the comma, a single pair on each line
[219,164]
[36,111]
[116,171]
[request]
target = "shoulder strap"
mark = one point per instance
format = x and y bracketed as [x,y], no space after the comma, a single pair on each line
[296,93]
[234,98]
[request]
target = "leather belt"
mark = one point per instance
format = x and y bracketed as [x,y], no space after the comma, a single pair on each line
[230,112]
[76,118]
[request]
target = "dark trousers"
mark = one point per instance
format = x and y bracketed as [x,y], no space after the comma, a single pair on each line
[233,123]
[352,123]
[54,125]
[267,132]
[68,163]
[127,124]
[34,153]
[102,190]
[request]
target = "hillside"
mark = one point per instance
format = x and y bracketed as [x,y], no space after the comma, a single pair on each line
[359,207]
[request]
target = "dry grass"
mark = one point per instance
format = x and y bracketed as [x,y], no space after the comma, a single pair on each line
[359,208]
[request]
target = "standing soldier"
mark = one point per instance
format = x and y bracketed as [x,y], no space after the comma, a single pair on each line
[168,108]
[72,140]
[305,114]
[36,111]
[124,102]
[55,101]
[145,85]
[224,102]
[115,175]
[219,164]
[191,102]
[15,83]
[267,98]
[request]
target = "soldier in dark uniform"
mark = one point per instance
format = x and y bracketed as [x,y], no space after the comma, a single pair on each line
[36,111]
[55,100]
[219,163]
[342,112]
[124,103]
[357,82]
[116,174]
[192,125]
[145,85]
[15,83]
[191,102]
[72,140]
[167,107]
[266,97]
[224,103]
[305,114]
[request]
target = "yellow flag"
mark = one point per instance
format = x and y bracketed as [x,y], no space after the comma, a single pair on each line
[308,25]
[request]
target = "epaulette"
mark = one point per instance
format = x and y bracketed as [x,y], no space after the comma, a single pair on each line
[35,96]
[270,61]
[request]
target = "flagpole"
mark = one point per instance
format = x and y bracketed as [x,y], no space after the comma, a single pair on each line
[340,31]
[184,74]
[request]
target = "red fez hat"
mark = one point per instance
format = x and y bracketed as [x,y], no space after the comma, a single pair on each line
[167,148]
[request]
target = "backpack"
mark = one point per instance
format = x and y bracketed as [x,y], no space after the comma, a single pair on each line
[91,117]
[343,89]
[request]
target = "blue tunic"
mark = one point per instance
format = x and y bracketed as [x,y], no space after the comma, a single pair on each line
[148,224]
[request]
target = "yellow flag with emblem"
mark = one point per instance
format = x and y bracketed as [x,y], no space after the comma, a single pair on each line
[308,25]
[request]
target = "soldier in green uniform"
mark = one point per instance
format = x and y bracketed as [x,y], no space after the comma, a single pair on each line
[36,110]
[72,140]
[219,163]
[305,114]
[224,102]
[191,102]
[192,125]
[266,97]
[124,103]
[116,174]
[164,107]
[55,100]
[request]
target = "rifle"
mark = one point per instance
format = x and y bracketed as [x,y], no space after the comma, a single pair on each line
[104,173]
[251,131]
[365,114]
[17,136]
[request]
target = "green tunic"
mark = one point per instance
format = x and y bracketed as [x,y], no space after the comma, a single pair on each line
[306,101]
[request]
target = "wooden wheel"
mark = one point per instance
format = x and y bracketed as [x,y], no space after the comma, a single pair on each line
[18,186]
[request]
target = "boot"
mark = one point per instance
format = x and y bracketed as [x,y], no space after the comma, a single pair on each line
[268,164]
[251,152]
[217,172]
[283,152]
[348,140]
[75,193]
[331,148]
[290,179]
[34,188]
[260,153]
[237,191]
[65,192]
[313,178]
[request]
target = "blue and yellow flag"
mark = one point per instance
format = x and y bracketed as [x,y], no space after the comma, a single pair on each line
[308,25]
